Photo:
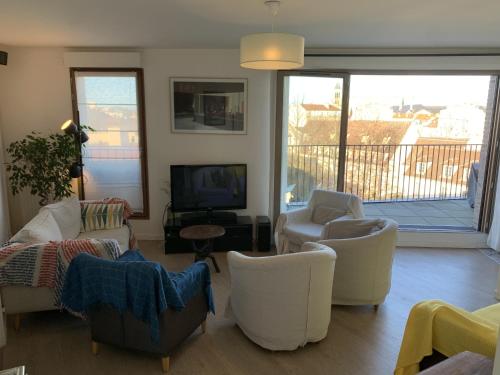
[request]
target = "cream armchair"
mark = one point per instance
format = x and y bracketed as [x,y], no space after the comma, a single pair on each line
[282,302]
[365,250]
[311,224]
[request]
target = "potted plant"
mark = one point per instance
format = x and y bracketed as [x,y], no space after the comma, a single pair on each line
[41,164]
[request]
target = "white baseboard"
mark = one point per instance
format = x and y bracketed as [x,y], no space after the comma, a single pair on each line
[462,240]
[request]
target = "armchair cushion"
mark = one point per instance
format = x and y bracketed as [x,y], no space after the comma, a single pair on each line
[98,216]
[42,228]
[324,214]
[67,216]
[303,232]
[341,229]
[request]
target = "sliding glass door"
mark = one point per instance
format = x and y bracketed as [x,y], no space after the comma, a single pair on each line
[411,146]
[314,124]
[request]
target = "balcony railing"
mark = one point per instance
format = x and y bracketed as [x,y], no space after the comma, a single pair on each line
[383,172]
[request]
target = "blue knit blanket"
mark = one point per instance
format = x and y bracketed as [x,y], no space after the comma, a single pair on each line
[135,284]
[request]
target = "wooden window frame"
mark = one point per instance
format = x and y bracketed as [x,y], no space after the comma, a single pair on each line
[141,117]
[279,128]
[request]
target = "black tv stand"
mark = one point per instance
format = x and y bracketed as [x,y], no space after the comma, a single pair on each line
[208,217]
[239,234]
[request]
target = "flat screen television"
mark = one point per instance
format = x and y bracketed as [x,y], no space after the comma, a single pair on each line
[208,187]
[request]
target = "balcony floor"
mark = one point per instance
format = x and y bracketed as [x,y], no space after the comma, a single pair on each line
[441,214]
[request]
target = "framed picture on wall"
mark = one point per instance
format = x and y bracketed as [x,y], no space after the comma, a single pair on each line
[208,105]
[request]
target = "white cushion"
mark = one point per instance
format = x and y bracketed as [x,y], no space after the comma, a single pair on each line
[354,228]
[303,232]
[42,228]
[324,214]
[120,234]
[67,214]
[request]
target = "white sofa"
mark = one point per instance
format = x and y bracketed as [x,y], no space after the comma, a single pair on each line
[312,223]
[365,252]
[282,302]
[54,222]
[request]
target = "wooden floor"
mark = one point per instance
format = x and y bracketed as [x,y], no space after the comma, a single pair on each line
[360,341]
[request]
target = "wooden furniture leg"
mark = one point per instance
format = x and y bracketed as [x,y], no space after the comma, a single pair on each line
[204,326]
[17,322]
[95,348]
[165,364]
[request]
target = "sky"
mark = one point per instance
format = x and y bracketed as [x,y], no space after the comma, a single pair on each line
[391,89]
[117,90]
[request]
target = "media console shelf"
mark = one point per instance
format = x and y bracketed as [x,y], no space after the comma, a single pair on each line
[238,236]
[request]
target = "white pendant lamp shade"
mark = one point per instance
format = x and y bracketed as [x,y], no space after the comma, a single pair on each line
[272,51]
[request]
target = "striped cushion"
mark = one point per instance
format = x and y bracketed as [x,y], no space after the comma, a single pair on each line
[97,216]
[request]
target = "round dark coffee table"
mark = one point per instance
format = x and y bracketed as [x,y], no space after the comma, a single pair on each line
[202,240]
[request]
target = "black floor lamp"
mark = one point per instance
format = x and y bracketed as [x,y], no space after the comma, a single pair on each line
[76,169]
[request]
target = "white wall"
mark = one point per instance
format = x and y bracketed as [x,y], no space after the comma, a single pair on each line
[165,148]
[35,95]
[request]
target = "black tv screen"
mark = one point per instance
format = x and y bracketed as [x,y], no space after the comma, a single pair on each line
[208,187]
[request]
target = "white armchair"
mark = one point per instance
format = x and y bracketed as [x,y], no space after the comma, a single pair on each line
[365,251]
[311,224]
[282,302]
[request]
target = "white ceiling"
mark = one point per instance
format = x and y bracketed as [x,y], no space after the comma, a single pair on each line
[220,23]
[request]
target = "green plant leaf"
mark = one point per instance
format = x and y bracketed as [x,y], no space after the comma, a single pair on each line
[40,164]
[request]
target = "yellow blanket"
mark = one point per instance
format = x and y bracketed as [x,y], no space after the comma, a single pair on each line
[449,330]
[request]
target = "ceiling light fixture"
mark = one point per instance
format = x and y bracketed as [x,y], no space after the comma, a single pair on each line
[272,51]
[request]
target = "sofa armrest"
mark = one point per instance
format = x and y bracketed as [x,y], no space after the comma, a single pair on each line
[329,227]
[300,215]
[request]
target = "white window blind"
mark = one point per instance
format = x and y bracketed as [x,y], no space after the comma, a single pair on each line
[114,157]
